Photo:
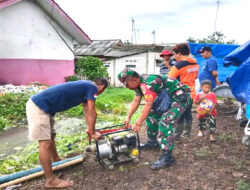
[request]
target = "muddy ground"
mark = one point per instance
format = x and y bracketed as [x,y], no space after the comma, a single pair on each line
[200,165]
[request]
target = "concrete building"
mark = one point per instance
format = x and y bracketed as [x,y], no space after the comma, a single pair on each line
[37,41]
[144,59]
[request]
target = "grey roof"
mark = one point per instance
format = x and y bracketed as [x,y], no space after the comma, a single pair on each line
[115,49]
[96,48]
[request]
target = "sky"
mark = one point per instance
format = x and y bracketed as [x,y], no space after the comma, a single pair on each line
[173,21]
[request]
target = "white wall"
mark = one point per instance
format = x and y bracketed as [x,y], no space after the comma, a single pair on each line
[110,67]
[154,68]
[144,63]
[26,34]
[139,61]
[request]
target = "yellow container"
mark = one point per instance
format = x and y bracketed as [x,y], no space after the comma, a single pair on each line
[135,152]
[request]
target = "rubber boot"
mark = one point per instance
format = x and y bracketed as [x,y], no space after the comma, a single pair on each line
[178,129]
[165,160]
[150,144]
[187,129]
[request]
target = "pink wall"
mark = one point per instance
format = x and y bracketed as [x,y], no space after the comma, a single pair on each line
[24,71]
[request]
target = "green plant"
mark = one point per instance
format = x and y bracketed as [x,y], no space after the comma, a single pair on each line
[242,185]
[239,164]
[3,123]
[225,137]
[72,78]
[28,157]
[202,153]
[12,107]
[91,67]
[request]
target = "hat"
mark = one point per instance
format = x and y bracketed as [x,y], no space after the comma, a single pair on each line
[165,52]
[122,76]
[205,48]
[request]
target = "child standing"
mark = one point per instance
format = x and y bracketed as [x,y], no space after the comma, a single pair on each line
[206,112]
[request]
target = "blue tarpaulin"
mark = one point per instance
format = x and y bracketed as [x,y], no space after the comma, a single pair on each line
[219,51]
[239,82]
[238,56]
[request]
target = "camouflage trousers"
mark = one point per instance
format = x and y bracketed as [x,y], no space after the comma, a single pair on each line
[161,126]
[209,120]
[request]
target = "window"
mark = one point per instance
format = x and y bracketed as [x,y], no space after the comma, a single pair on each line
[131,60]
[158,62]
[130,66]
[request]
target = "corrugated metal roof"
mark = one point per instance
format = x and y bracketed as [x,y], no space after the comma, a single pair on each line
[96,48]
[115,48]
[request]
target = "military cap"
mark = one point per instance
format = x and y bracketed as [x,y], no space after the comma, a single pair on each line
[122,76]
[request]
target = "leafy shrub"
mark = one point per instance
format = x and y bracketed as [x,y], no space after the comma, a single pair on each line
[72,78]
[91,67]
[3,123]
[12,107]
[242,185]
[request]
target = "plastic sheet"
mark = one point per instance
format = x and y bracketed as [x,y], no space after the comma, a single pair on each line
[239,83]
[219,51]
[248,111]
[238,56]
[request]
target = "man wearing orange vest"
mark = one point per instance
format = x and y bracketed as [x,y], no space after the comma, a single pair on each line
[186,71]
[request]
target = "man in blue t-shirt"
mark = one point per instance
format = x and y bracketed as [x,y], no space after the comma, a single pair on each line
[41,109]
[210,67]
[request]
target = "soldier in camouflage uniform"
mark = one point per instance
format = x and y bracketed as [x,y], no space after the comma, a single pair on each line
[159,125]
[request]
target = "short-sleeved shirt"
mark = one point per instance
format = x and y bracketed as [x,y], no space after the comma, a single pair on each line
[164,70]
[206,73]
[61,97]
[211,96]
[151,86]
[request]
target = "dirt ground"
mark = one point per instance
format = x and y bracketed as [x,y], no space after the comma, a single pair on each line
[200,165]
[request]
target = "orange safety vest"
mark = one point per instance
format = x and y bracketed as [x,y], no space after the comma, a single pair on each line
[186,71]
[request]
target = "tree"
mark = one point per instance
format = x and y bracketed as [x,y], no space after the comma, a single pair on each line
[191,40]
[91,67]
[215,38]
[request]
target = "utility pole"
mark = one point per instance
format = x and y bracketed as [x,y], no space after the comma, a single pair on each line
[138,31]
[218,3]
[132,32]
[153,35]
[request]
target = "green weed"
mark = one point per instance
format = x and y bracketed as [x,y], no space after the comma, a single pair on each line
[239,164]
[242,185]
[225,137]
[3,123]
[28,157]
[202,154]
[12,107]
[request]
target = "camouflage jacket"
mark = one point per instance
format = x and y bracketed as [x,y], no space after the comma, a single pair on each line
[152,85]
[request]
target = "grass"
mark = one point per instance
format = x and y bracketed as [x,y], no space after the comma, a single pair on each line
[225,137]
[12,108]
[112,101]
[202,154]
[243,185]
[239,164]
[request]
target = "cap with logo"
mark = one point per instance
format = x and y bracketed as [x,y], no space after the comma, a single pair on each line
[205,48]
